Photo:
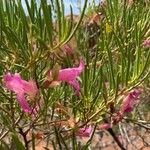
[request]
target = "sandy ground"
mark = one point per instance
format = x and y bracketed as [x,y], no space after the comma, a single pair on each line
[135,139]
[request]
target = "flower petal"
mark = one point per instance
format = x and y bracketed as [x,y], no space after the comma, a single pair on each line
[30,88]
[75,84]
[17,85]
[130,101]
[21,87]
[85,132]
[14,83]
[23,103]
[71,73]
[146,43]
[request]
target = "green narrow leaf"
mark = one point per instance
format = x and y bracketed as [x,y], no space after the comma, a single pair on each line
[29,11]
[77,25]
[33,141]
[4,145]
[59,14]
[67,39]
[6,121]
[63,20]
[111,67]
[17,143]
[47,13]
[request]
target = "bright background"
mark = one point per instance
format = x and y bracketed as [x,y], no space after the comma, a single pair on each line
[73,3]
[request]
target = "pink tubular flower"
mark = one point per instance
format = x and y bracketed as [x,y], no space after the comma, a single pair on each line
[70,75]
[129,102]
[146,43]
[85,132]
[127,105]
[21,87]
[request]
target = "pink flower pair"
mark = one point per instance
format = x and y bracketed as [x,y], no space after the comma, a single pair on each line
[21,88]
[24,88]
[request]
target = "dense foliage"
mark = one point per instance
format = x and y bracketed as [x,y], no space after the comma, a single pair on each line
[64,77]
